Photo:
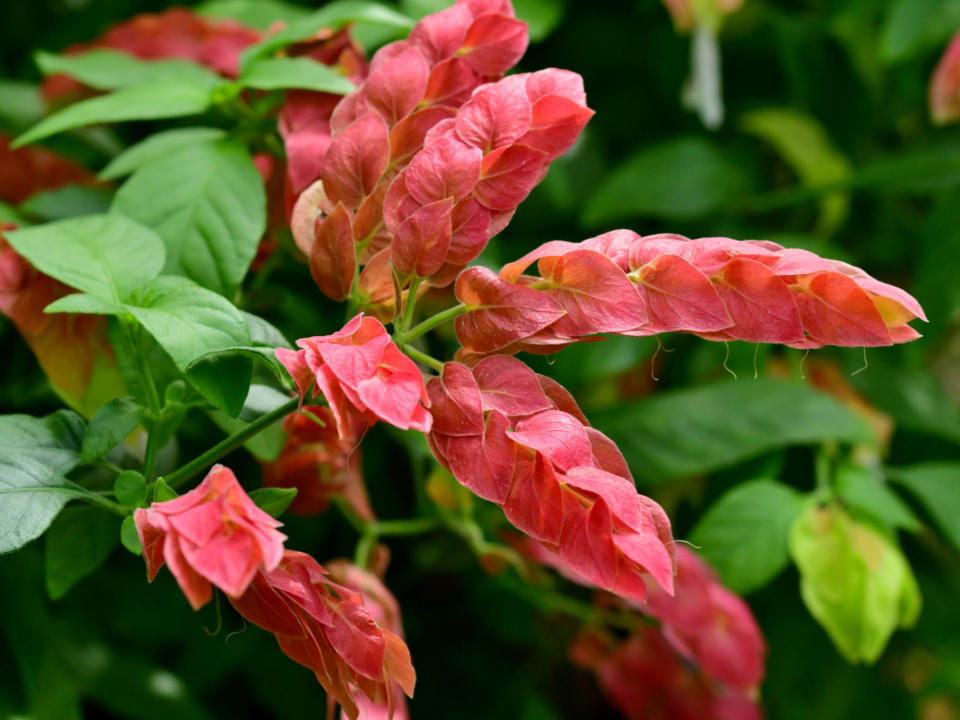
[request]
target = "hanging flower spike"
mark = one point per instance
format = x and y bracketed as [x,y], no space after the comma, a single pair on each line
[717,288]
[644,678]
[212,535]
[500,433]
[708,624]
[320,465]
[174,33]
[326,627]
[384,608]
[363,376]
[945,85]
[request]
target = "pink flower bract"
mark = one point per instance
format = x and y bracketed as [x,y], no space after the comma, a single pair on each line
[212,535]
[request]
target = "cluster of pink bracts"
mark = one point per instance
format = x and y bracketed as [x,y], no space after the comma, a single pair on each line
[705,662]
[429,158]
[215,536]
[407,178]
[720,289]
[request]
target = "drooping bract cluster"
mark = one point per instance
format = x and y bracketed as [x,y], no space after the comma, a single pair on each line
[212,535]
[363,376]
[518,439]
[326,627]
[717,288]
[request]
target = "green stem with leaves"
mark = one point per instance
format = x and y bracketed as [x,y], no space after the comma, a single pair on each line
[430,323]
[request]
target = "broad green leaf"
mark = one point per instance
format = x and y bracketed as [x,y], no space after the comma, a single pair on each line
[67,202]
[541,16]
[20,105]
[130,489]
[78,542]
[300,73]
[157,146]
[259,14]
[333,16]
[804,145]
[154,101]
[674,180]
[937,486]
[108,256]
[853,580]
[105,69]
[264,333]
[265,445]
[163,492]
[273,501]
[129,537]
[190,323]
[863,490]
[744,534]
[207,202]
[54,440]
[915,26]
[702,429]
[31,495]
[84,304]
[109,426]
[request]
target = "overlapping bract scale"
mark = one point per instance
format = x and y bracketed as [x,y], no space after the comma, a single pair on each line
[717,288]
[945,85]
[508,435]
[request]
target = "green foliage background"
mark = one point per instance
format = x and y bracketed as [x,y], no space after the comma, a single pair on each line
[826,145]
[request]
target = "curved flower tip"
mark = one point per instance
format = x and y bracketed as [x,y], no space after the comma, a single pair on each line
[364,377]
[212,535]
[329,628]
[945,86]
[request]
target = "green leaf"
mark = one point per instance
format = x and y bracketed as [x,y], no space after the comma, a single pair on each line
[853,580]
[259,14]
[157,146]
[915,26]
[744,534]
[863,490]
[84,304]
[78,542]
[675,180]
[9,214]
[699,430]
[129,537]
[154,101]
[207,202]
[541,16]
[54,441]
[806,148]
[109,426]
[67,202]
[265,445]
[937,486]
[300,73]
[107,256]
[190,323]
[332,16]
[163,492]
[130,489]
[264,333]
[31,495]
[273,501]
[105,69]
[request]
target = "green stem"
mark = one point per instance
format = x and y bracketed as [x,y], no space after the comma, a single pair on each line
[153,403]
[411,526]
[229,444]
[431,322]
[427,360]
[411,304]
[110,505]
